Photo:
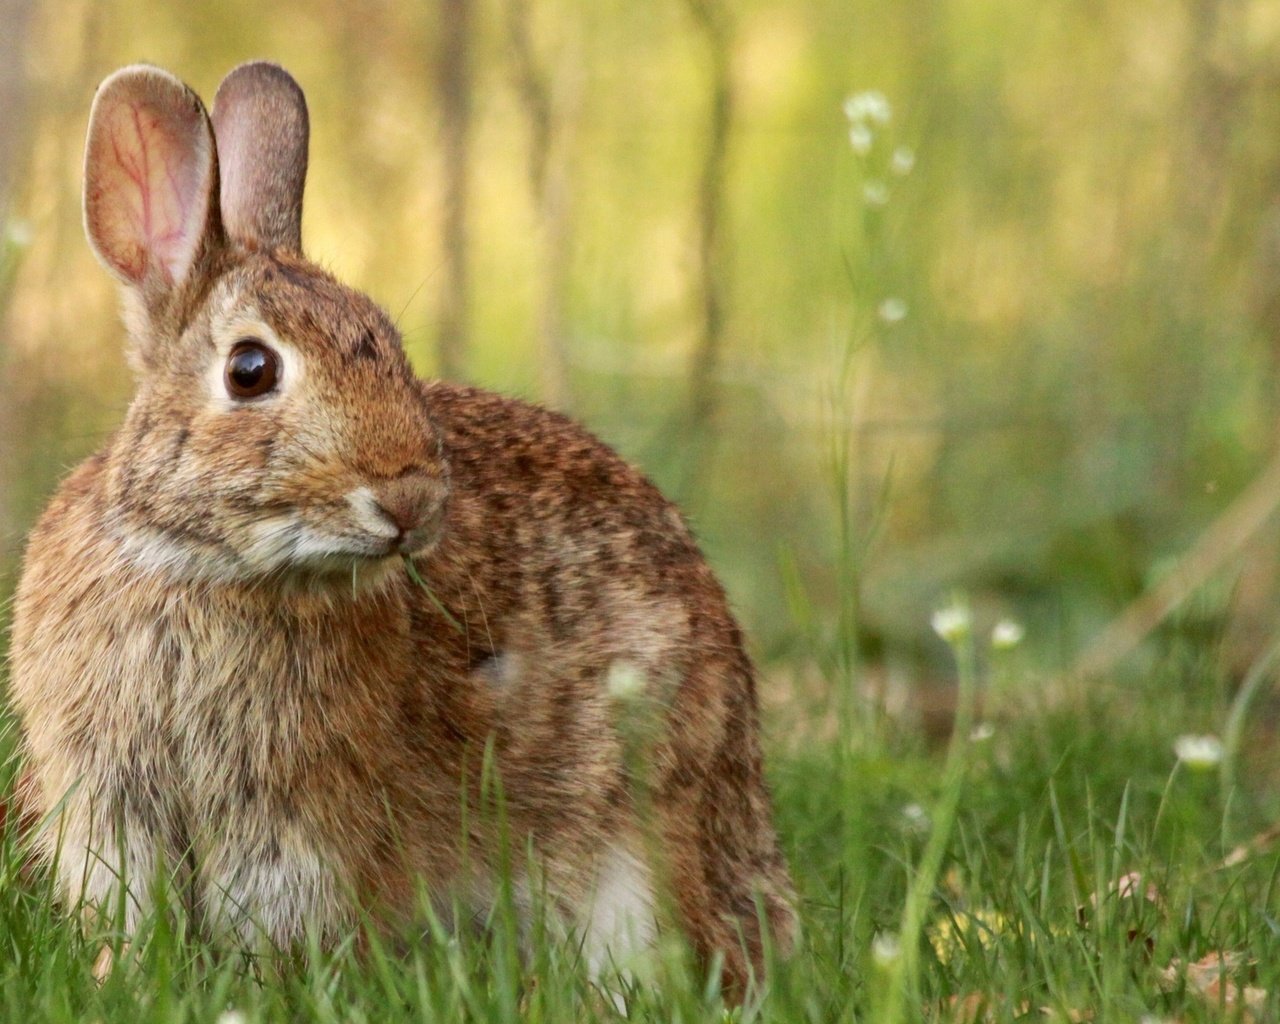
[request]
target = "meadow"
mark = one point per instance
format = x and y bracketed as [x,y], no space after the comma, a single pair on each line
[1062,864]
[953,326]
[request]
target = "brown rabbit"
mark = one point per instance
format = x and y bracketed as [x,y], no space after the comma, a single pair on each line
[271,637]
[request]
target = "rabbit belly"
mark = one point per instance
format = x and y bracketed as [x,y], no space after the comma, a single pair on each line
[620,924]
[106,861]
[272,892]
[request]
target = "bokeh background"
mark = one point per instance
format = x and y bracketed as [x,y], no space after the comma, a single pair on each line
[897,299]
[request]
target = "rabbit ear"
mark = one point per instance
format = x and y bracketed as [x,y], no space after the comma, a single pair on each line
[150,178]
[260,120]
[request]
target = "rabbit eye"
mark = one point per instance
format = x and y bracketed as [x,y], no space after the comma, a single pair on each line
[252,369]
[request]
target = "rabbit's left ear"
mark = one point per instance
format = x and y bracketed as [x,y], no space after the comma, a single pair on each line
[261,124]
[150,180]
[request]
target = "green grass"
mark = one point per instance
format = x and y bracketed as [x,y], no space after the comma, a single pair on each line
[1022,919]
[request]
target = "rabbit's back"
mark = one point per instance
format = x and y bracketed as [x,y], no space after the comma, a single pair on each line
[548,529]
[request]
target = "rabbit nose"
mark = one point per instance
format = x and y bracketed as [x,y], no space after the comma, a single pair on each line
[410,502]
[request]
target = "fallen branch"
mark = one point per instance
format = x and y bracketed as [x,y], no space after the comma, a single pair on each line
[1260,843]
[1241,520]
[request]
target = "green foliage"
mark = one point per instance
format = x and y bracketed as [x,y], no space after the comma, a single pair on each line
[1025,912]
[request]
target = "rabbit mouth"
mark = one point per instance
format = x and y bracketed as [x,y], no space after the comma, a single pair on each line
[286,543]
[281,548]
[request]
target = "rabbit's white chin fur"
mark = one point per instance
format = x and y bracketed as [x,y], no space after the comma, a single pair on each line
[285,542]
[282,550]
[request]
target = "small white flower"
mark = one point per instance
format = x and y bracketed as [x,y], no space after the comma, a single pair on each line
[19,233]
[870,105]
[624,680]
[892,310]
[915,817]
[982,732]
[1198,752]
[952,624]
[232,1017]
[885,949]
[1007,634]
[902,161]
[876,193]
[860,138]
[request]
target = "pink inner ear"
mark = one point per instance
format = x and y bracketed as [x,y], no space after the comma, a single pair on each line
[147,186]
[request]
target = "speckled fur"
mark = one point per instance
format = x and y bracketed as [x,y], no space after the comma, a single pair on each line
[298,745]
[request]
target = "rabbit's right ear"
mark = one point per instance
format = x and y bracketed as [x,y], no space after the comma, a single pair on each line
[150,179]
[261,123]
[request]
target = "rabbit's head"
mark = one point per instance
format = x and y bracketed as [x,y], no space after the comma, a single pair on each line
[277,428]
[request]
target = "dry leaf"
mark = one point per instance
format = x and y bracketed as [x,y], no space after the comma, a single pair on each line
[1131,886]
[970,1008]
[948,934]
[1127,887]
[1071,1015]
[976,1008]
[1219,979]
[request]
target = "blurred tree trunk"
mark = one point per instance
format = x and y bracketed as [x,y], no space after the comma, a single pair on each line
[549,184]
[1219,80]
[712,21]
[1211,101]
[454,68]
[15,18]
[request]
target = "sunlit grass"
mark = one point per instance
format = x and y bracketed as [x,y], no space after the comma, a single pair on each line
[1081,874]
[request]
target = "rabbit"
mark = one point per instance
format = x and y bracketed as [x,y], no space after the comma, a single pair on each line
[271,640]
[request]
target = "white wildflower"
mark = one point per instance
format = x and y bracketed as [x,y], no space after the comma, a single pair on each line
[876,193]
[860,138]
[902,161]
[892,310]
[870,105]
[1198,752]
[19,234]
[915,817]
[624,680]
[1007,634]
[953,623]
[885,949]
[982,732]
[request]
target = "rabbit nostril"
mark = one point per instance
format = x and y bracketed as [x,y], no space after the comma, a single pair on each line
[408,503]
[404,517]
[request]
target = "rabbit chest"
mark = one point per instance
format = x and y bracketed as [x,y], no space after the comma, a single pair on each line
[256,745]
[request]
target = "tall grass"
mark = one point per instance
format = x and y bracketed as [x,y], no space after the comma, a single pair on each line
[1017,909]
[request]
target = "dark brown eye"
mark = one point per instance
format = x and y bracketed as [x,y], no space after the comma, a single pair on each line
[252,369]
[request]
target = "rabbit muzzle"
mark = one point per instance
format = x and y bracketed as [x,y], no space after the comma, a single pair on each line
[412,504]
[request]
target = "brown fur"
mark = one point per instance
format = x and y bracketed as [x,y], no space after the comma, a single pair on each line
[298,739]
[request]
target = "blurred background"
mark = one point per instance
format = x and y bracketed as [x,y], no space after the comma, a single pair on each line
[897,299]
